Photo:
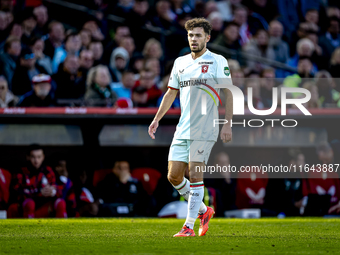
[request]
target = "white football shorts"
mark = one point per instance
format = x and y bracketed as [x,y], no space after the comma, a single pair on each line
[185,150]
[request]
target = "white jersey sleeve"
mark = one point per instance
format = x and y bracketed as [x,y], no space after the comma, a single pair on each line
[173,80]
[222,70]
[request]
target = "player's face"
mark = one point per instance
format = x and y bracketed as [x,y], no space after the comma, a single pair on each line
[37,157]
[197,39]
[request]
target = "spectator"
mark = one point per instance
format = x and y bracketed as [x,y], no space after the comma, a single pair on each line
[304,70]
[28,25]
[37,46]
[85,62]
[292,12]
[34,189]
[25,71]
[335,67]
[68,79]
[72,46]
[118,63]
[16,30]
[93,27]
[241,19]
[314,100]
[259,47]
[8,60]
[164,16]
[136,19]
[128,44]
[328,96]
[41,95]
[263,9]
[331,40]
[97,49]
[153,49]
[267,85]
[41,15]
[98,91]
[305,48]
[4,24]
[302,32]
[179,7]
[56,36]
[65,188]
[120,187]
[225,7]
[124,88]
[281,48]
[7,99]
[230,40]
[216,21]
[121,32]
[85,36]
[312,16]
[145,92]
[154,66]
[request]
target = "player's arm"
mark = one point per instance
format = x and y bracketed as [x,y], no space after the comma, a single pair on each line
[166,103]
[226,133]
[222,74]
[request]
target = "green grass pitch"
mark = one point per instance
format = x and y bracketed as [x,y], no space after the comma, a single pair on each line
[154,236]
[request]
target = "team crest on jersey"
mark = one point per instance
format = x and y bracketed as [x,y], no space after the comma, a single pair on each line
[205,68]
[226,71]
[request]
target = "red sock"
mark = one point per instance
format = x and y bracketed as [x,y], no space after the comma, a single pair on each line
[28,207]
[13,211]
[60,208]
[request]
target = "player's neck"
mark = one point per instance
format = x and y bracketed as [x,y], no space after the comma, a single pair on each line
[196,55]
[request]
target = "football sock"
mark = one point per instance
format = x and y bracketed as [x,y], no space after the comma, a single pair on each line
[195,199]
[184,189]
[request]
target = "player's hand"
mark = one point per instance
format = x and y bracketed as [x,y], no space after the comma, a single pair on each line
[334,208]
[47,191]
[153,128]
[226,133]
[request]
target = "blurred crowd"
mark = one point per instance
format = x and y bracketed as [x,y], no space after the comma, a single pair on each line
[54,189]
[268,43]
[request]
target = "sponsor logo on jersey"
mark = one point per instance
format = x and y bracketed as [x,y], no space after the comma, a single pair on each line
[205,68]
[181,71]
[205,63]
[226,71]
[200,152]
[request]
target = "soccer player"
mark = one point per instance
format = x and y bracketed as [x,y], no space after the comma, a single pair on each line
[34,189]
[195,133]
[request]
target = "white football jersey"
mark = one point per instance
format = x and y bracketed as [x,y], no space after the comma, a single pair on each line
[196,80]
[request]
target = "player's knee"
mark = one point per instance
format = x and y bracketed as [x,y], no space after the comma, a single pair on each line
[175,180]
[13,211]
[60,204]
[29,205]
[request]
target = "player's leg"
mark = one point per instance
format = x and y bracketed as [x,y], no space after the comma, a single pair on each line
[199,155]
[196,192]
[28,207]
[178,162]
[60,208]
[13,211]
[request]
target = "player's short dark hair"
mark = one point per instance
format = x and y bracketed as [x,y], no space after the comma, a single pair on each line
[198,22]
[34,147]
